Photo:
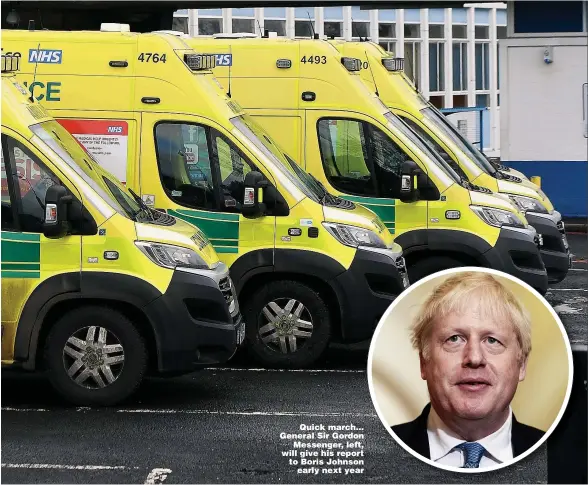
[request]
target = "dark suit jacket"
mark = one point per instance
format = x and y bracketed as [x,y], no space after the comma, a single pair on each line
[414,434]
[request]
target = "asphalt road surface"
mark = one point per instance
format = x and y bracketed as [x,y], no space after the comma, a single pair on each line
[223,425]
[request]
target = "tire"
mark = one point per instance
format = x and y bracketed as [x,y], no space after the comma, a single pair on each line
[430,265]
[121,331]
[307,349]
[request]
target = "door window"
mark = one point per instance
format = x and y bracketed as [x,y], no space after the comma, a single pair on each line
[344,152]
[31,179]
[200,168]
[360,159]
[8,222]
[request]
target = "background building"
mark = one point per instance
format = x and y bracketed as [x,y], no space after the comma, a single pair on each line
[450,53]
[544,117]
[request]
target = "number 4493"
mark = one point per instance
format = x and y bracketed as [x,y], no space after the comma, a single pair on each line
[149,57]
[314,59]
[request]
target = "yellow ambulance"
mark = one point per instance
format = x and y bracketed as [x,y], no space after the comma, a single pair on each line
[309,268]
[313,102]
[97,289]
[383,74]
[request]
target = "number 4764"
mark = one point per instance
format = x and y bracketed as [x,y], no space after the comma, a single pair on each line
[149,57]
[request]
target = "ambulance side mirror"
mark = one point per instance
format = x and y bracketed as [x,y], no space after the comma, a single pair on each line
[409,191]
[56,224]
[253,195]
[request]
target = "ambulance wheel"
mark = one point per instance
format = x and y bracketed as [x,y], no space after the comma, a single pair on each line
[95,356]
[428,266]
[287,325]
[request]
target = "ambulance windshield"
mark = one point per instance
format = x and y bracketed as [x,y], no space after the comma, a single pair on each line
[66,147]
[439,121]
[256,135]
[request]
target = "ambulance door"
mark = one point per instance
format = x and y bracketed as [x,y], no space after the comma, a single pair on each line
[29,259]
[358,160]
[195,172]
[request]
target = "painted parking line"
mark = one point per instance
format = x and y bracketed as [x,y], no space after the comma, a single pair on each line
[53,466]
[249,413]
[306,371]
[304,414]
[567,289]
[155,476]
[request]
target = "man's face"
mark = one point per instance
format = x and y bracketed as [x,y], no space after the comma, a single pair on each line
[474,366]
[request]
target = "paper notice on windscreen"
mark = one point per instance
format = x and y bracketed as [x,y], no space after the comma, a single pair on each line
[105,140]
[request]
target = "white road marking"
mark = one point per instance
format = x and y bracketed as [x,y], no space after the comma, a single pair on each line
[157,475]
[567,289]
[24,409]
[65,467]
[309,371]
[577,269]
[565,309]
[247,413]
[227,413]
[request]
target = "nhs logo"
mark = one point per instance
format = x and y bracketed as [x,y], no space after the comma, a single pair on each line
[45,56]
[115,129]
[224,59]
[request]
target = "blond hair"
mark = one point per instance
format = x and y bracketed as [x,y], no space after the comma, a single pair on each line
[467,291]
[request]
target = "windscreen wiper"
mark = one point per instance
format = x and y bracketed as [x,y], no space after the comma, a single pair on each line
[142,205]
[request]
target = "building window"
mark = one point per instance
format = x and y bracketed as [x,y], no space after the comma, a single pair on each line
[360,29]
[482,66]
[438,101]
[278,26]
[333,29]
[436,31]
[412,31]
[501,32]
[303,28]
[388,46]
[180,24]
[482,100]
[460,101]
[387,31]
[482,32]
[244,25]
[412,61]
[209,26]
[459,31]
[437,66]
[460,66]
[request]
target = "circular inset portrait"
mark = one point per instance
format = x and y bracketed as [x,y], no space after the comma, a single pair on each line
[470,370]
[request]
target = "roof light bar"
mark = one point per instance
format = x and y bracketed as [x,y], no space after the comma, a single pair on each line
[200,62]
[393,63]
[10,63]
[351,64]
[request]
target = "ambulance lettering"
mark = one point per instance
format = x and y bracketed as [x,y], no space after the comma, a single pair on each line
[224,59]
[45,56]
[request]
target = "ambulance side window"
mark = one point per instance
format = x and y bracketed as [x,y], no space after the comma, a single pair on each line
[31,179]
[185,165]
[7,216]
[233,168]
[388,158]
[344,152]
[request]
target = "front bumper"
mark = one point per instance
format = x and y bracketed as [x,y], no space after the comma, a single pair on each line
[366,290]
[555,251]
[516,252]
[197,321]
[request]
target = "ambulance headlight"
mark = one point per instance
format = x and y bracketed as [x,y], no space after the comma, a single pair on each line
[498,217]
[528,204]
[393,63]
[200,62]
[354,236]
[351,64]
[170,256]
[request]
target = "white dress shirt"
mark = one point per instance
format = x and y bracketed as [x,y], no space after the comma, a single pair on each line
[442,443]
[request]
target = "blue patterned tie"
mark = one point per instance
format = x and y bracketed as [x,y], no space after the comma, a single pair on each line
[473,454]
